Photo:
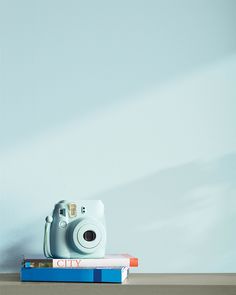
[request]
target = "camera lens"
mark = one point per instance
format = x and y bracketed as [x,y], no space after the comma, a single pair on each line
[89,236]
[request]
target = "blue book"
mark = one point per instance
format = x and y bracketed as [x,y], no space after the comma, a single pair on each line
[82,275]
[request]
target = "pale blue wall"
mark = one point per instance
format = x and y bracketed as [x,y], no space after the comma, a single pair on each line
[133,102]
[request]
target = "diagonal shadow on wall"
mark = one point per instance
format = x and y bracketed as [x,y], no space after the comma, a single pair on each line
[181,219]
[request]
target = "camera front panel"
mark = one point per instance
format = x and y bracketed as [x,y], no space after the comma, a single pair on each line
[78,229]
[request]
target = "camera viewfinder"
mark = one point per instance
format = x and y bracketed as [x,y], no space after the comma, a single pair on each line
[62,212]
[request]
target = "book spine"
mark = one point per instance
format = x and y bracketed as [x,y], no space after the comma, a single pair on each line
[82,263]
[75,263]
[73,275]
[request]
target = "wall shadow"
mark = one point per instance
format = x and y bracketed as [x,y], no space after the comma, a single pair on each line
[27,240]
[181,219]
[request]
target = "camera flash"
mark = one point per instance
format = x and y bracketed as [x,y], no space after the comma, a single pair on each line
[72,210]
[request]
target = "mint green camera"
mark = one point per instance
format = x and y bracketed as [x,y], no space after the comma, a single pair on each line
[75,230]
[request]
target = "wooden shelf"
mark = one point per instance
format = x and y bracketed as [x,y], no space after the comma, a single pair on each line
[179,284]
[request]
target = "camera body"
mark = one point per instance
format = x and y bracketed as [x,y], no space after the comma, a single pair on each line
[76,230]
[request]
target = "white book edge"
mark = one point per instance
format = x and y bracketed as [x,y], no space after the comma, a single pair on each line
[93,263]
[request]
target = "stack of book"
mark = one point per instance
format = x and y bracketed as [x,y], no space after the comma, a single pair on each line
[110,269]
